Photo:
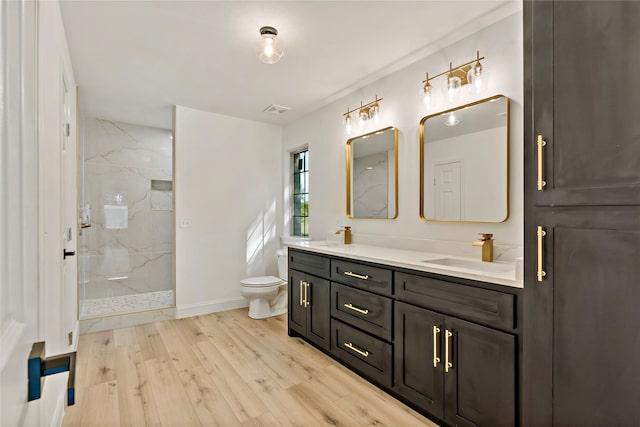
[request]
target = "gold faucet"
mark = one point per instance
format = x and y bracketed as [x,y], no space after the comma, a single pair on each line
[486,243]
[347,234]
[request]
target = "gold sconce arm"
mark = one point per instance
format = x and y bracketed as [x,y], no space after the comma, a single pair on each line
[459,69]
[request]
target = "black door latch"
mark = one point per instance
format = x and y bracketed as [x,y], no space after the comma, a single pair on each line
[67,253]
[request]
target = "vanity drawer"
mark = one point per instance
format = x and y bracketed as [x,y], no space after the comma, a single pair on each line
[309,263]
[485,306]
[369,355]
[362,276]
[369,312]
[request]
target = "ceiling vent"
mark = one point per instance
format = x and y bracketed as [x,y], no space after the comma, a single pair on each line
[276,109]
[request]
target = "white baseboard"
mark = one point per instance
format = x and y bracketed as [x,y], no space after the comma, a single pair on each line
[207,307]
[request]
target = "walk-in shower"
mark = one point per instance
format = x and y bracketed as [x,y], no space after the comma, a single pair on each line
[127,218]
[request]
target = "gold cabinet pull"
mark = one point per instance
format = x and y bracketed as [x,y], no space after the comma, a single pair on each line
[306,295]
[350,346]
[301,300]
[447,363]
[541,183]
[359,276]
[541,273]
[359,310]
[436,359]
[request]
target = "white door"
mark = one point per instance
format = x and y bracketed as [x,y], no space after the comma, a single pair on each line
[69,215]
[18,210]
[447,194]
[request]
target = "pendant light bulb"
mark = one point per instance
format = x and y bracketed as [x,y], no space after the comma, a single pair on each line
[269,48]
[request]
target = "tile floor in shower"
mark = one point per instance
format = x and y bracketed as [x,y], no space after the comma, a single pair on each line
[125,304]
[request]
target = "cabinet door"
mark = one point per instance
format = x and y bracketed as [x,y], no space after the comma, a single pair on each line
[416,377]
[582,60]
[297,310]
[582,321]
[480,386]
[318,309]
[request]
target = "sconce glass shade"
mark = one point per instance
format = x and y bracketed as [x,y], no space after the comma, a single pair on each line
[363,116]
[452,87]
[269,47]
[478,77]
[347,124]
[374,112]
[427,95]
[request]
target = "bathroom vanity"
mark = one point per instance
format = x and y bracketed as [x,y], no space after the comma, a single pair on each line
[447,344]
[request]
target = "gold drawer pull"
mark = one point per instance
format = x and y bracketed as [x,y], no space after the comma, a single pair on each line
[436,359]
[350,346]
[359,310]
[359,276]
[541,273]
[447,364]
[541,183]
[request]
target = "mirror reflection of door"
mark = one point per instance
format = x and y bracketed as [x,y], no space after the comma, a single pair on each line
[447,194]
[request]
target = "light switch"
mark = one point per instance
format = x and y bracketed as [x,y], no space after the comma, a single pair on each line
[185,222]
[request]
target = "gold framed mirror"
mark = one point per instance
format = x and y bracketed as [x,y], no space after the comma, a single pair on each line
[464,163]
[372,175]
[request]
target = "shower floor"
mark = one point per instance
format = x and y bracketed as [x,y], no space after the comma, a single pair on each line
[125,304]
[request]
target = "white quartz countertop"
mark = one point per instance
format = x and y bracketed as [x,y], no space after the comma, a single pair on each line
[497,272]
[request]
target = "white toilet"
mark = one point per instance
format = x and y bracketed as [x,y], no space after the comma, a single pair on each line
[267,295]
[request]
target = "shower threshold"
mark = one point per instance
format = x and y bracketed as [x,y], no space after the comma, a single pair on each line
[125,304]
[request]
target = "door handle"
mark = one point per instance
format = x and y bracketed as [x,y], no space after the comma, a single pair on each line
[306,296]
[540,183]
[540,271]
[66,253]
[447,363]
[436,359]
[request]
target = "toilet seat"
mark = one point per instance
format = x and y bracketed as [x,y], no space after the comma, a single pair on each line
[262,281]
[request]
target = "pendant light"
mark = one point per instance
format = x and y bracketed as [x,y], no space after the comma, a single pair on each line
[269,48]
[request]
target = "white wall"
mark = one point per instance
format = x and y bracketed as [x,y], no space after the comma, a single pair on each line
[227,180]
[501,44]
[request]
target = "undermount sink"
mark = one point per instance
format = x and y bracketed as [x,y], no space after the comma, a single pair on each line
[475,266]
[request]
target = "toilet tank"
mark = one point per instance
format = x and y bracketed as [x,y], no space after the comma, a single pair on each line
[282,264]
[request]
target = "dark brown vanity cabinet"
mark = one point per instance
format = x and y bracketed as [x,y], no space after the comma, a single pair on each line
[309,307]
[582,214]
[448,347]
[460,371]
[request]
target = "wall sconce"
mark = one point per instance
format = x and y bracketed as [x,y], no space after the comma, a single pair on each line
[269,48]
[456,78]
[366,112]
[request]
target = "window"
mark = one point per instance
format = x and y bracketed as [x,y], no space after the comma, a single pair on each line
[301,193]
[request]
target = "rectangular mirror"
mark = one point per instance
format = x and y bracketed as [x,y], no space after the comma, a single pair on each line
[464,163]
[372,175]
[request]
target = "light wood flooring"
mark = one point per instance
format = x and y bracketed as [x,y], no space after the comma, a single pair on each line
[221,369]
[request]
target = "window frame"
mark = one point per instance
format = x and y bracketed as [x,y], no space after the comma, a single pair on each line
[301,218]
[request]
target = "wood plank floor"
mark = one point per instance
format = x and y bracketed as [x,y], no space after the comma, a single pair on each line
[222,369]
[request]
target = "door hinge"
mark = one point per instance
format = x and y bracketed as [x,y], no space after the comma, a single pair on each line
[67,129]
[70,336]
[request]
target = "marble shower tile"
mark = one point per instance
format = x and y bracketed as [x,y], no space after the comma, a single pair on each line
[162,231]
[160,272]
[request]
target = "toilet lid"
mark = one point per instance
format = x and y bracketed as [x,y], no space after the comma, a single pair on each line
[262,281]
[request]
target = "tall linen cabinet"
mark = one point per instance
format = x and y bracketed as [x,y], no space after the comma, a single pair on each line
[581,361]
